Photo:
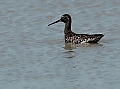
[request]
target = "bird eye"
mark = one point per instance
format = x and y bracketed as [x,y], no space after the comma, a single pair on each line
[62,17]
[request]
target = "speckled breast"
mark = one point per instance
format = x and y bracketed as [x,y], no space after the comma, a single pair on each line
[75,40]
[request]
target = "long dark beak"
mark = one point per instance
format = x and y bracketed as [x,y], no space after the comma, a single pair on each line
[55,22]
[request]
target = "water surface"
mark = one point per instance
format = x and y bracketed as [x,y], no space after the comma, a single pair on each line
[33,55]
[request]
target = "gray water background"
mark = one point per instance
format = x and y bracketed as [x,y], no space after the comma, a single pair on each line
[34,56]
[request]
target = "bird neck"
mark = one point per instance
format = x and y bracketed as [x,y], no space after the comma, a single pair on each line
[67,28]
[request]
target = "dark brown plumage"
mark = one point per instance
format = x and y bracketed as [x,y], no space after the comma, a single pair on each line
[71,37]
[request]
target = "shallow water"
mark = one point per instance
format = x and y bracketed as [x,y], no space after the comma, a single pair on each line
[33,55]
